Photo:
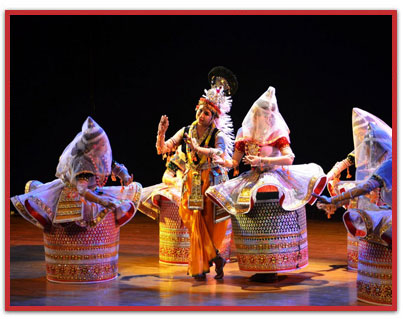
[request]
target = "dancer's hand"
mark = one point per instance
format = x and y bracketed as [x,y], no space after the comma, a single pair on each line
[251,160]
[163,124]
[108,203]
[127,179]
[329,176]
[325,203]
[328,208]
[218,160]
[323,199]
[192,142]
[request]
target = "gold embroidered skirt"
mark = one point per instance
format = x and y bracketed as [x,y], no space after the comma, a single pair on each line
[80,238]
[270,239]
[75,254]
[174,241]
[374,269]
[374,274]
[352,252]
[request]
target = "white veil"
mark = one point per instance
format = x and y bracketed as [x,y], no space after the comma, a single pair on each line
[89,152]
[372,142]
[264,123]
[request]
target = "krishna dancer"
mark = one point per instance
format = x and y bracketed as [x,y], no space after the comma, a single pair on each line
[211,134]
[81,217]
[267,202]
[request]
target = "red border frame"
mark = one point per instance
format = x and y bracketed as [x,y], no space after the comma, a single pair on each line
[9,13]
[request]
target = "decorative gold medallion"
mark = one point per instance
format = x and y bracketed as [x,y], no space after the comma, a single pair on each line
[196,199]
[252,149]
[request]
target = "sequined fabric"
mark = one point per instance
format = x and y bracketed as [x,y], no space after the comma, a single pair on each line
[78,255]
[374,275]
[174,241]
[352,252]
[270,239]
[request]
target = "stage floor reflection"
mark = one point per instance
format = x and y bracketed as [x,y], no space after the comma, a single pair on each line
[143,281]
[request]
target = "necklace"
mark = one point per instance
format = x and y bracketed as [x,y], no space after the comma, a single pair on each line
[206,136]
[105,178]
[252,148]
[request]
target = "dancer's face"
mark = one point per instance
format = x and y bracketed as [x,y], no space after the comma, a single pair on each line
[204,116]
[260,118]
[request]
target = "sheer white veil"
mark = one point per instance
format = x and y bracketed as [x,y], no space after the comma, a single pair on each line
[263,123]
[89,152]
[372,142]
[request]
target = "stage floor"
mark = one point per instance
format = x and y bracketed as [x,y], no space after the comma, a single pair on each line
[143,281]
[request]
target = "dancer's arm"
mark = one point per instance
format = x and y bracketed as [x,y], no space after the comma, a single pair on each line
[361,189]
[82,182]
[170,145]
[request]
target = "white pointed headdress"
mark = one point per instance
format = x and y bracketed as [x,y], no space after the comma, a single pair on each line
[264,123]
[372,142]
[91,145]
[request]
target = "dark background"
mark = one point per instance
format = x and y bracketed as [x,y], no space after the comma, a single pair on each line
[126,71]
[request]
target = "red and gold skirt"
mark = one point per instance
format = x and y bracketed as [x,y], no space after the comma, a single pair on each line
[75,254]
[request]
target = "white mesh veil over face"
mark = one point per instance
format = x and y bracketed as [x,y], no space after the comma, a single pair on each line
[89,152]
[263,123]
[372,142]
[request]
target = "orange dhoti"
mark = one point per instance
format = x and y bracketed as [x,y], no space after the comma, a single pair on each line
[205,235]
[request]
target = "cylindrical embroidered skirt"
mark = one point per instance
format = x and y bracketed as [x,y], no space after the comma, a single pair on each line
[374,274]
[352,252]
[269,239]
[75,254]
[174,240]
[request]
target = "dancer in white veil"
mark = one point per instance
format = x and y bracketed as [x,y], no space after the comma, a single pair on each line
[264,141]
[79,194]
[79,215]
[371,220]
[267,202]
[373,157]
